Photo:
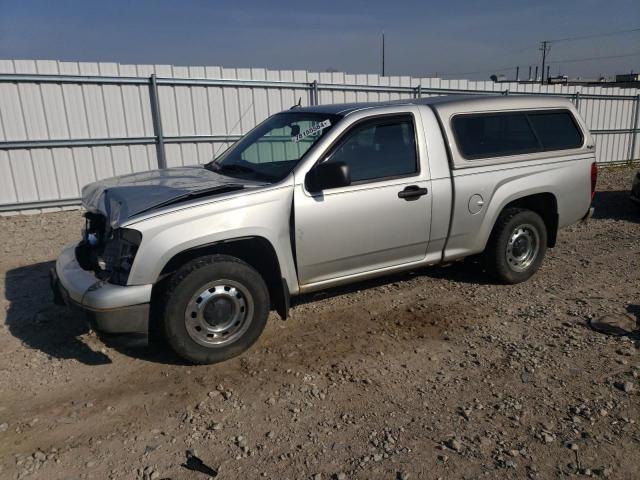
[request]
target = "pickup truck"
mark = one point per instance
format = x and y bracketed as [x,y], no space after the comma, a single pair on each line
[315,197]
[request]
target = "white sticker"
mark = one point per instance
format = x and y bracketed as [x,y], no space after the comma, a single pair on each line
[311,130]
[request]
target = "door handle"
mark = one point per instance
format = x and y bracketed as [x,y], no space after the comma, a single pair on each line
[412,192]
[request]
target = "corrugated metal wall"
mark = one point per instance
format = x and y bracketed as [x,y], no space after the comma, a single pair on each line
[59,134]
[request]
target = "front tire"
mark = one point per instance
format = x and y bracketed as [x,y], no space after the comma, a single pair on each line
[215,308]
[516,247]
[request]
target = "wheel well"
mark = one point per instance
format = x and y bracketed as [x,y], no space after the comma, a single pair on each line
[545,205]
[256,251]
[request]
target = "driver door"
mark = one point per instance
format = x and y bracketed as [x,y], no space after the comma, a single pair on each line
[382,219]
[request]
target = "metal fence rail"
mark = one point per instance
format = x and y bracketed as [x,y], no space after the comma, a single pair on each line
[65,124]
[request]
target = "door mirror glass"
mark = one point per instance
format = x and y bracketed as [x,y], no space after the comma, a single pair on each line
[328,175]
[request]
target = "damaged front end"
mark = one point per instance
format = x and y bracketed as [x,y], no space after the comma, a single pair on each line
[122,198]
[107,249]
[107,252]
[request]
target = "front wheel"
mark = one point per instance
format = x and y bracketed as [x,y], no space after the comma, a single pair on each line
[215,308]
[516,246]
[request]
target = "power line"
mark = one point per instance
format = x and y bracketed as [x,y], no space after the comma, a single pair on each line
[586,59]
[597,35]
[524,49]
[568,60]
[608,34]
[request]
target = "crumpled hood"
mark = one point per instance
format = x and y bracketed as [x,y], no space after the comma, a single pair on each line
[120,198]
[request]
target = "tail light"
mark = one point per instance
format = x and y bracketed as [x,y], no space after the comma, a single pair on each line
[594,179]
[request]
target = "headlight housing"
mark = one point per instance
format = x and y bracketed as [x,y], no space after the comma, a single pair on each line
[107,252]
[117,257]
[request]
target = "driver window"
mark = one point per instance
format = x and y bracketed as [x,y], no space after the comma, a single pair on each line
[379,149]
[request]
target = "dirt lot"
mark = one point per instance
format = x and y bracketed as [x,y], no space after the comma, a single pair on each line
[433,374]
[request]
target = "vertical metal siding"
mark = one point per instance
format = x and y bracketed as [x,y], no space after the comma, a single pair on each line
[77,110]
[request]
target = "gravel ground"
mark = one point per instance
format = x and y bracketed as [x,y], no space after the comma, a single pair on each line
[436,373]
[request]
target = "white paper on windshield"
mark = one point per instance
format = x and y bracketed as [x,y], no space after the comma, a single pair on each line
[312,130]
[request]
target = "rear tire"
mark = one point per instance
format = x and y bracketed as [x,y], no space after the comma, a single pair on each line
[215,308]
[516,247]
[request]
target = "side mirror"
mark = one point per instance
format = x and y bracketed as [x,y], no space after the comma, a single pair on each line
[328,175]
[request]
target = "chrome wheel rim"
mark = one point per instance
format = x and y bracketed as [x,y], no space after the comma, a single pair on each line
[219,313]
[522,247]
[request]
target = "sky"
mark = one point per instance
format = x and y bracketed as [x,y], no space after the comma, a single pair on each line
[453,39]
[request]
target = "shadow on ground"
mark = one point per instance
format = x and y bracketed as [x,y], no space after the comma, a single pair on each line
[634,310]
[39,324]
[468,271]
[60,332]
[615,205]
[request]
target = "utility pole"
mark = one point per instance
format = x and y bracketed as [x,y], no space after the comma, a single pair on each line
[383,53]
[544,47]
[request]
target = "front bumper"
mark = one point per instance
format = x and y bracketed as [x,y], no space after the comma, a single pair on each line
[111,308]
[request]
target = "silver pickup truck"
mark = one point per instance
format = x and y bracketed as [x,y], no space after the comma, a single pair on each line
[321,196]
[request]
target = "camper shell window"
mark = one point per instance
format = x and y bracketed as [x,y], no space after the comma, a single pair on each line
[487,135]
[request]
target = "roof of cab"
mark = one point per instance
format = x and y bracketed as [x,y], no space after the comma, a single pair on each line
[448,106]
[449,103]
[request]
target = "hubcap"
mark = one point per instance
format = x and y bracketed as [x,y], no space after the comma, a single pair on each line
[219,313]
[522,248]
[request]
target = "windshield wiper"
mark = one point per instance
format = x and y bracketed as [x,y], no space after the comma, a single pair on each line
[237,168]
[231,167]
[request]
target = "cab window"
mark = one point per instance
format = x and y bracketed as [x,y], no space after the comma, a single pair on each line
[379,149]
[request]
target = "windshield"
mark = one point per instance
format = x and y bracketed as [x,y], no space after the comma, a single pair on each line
[271,150]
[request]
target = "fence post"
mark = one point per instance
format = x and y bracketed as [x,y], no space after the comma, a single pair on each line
[577,101]
[634,134]
[157,121]
[314,93]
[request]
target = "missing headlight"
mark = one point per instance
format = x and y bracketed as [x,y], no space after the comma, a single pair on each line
[94,234]
[118,255]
